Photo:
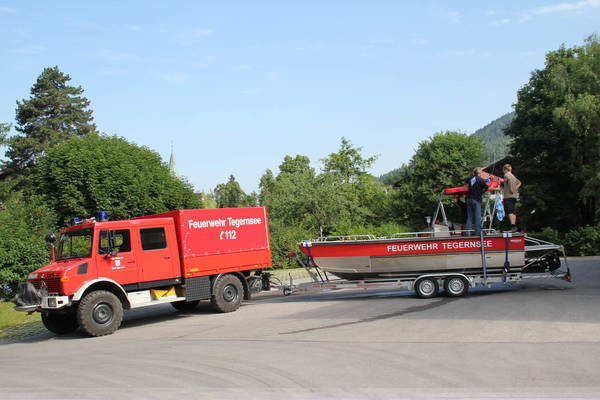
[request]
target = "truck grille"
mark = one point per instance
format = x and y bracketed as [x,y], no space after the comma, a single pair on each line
[52,280]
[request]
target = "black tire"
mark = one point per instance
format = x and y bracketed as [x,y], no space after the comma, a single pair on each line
[100,313]
[228,294]
[456,286]
[427,288]
[60,322]
[185,305]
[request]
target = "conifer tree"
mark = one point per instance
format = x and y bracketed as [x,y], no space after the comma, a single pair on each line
[54,112]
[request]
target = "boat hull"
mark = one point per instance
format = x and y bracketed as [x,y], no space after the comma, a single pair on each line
[355,259]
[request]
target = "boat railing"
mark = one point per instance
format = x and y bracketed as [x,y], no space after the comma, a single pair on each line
[535,244]
[398,235]
[345,237]
[436,233]
[408,234]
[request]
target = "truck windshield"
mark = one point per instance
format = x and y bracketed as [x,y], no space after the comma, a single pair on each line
[75,244]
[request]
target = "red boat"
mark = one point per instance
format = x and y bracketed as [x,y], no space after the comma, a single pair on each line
[370,257]
[441,249]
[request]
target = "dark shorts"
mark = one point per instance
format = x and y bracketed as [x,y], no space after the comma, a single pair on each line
[509,205]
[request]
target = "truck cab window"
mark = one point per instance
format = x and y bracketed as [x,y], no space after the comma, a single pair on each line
[153,238]
[122,241]
[75,244]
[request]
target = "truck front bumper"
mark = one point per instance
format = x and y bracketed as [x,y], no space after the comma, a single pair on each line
[29,299]
[54,302]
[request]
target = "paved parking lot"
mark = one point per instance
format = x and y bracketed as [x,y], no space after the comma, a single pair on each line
[537,340]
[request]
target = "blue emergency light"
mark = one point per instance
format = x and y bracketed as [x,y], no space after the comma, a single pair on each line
[74,221]
[102,216]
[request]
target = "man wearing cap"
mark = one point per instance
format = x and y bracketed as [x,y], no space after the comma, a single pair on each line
[476,186]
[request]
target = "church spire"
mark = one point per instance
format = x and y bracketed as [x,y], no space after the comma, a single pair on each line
[172,168]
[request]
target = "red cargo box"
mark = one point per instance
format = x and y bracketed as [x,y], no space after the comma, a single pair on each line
[213,241]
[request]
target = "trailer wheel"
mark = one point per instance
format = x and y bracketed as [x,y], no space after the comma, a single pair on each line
[60,323]
[456,286]
[228,294]
[100,313]
[185,305]
[427,288]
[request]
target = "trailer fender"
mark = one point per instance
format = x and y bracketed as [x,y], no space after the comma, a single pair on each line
[103,284]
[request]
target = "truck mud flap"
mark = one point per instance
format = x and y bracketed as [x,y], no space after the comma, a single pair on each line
[197,288]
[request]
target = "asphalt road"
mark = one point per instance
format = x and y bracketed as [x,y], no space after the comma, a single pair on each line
[540,339]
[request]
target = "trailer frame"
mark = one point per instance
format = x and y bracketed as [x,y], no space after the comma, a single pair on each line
[320,281]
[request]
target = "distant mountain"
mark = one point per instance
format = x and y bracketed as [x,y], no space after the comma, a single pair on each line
[391,178]
[495,143]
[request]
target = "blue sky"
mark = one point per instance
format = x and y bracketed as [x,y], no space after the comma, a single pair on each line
[237,86]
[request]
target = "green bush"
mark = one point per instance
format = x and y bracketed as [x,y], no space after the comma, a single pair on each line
[284,239]
[583,241]
[24,223]
[549,235]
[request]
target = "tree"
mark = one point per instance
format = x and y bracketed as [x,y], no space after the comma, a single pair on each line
[24,221]
[348,162]
[299,204]
[230,194]
[343,199]
[367,197]
[54,113]
[443,161]
[97,172]
[556,139]
[4,129]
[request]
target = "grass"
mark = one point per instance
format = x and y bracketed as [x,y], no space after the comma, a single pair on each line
[17,324]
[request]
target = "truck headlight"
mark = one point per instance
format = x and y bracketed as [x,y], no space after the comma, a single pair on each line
[32,276]
[52,302]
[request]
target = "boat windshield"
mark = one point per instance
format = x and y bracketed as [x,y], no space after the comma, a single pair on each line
[75,244]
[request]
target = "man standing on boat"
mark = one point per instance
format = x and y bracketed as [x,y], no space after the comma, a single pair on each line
[476,186]
[509,192]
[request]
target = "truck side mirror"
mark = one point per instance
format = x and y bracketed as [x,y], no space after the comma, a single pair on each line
[50,238]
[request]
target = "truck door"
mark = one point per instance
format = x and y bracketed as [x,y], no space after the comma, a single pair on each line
[123,267]
[156,255]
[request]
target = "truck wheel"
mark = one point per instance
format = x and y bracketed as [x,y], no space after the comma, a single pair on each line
[100,313]
[228,294]
[455,286]
[185,305]
[427,288]
[60,323]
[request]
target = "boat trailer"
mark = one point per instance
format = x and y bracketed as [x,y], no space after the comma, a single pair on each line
[543,263]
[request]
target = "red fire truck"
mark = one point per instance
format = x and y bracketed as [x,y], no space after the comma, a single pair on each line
[101,268]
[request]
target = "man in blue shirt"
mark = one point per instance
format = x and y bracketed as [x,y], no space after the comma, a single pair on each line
[476,186]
